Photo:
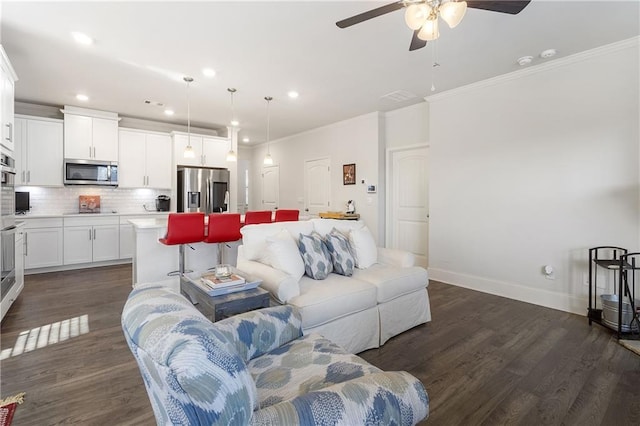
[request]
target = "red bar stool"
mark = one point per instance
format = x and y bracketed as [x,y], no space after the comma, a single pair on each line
[223,228]
[182,229]
[252,217]
[287,215]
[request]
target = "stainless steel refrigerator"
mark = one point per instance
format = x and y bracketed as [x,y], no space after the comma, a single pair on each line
[203,190]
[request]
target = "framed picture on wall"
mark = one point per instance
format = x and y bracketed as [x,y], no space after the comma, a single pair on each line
[349,174]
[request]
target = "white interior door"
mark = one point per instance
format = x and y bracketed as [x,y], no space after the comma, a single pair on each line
[270,187]
[409,219]
[317,191]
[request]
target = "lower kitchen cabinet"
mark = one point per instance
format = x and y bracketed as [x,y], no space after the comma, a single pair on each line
[42,243]
[91,239]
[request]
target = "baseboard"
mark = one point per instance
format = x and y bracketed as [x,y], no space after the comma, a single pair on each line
[76,266]
[549,299]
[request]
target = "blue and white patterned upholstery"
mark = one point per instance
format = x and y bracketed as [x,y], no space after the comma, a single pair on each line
[316,257]
[343,260]
[256,368]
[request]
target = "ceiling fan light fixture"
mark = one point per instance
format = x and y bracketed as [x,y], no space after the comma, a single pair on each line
[452,12]
[429,30]
[416,15]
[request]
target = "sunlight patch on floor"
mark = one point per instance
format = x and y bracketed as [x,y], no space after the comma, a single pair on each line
[46,335]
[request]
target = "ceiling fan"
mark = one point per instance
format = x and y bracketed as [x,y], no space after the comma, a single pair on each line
[422,15]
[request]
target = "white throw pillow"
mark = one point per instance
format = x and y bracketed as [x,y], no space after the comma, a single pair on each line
[282,253]
[364,247]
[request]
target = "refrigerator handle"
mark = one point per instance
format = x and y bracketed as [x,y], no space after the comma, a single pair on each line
[207,204]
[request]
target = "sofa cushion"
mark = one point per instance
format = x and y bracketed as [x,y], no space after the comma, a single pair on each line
[254,237]
[316,257]
[340,251]
[304,365]
[392,281]
[325,226]
[282,253]
[337,296]
[363,247]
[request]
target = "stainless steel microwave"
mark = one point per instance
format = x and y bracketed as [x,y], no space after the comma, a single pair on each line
[90,172]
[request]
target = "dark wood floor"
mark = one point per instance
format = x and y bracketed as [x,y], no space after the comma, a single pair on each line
[484,360]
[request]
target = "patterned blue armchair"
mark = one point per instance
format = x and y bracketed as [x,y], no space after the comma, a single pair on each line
[257,368]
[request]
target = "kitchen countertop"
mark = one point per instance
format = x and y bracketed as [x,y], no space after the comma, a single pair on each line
[150,223]
[44,216]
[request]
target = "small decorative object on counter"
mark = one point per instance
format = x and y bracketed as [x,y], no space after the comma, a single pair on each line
[89,204]
[351,207]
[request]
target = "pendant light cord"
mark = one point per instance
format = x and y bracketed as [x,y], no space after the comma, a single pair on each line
[268,99]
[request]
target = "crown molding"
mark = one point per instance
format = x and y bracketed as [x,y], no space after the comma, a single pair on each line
[558,63]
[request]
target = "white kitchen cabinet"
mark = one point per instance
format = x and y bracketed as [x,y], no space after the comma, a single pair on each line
[90,135]
[145,159]
[91,239]
[42,243]
[38,151]
[209,151]
[7,90]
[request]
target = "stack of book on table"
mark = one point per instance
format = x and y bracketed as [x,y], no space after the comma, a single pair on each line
[216,285]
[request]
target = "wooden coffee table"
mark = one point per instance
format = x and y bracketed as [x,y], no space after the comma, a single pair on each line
[216,308]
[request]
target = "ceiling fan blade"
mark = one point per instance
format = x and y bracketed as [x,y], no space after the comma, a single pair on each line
[416,43]
[512,7]
[373,13]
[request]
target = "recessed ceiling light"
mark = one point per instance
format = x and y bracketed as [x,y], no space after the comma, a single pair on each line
[82,38]
[245,140]
[545,54]
[168,112]
[82,97]
[209,72]
[293,94]
[525,60]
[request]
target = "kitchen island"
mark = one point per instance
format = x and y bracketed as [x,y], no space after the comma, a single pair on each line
[152,260]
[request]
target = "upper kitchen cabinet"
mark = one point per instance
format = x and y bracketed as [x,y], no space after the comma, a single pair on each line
[90,134]
[145,159]
[7,80]
[210,151]
[38,151]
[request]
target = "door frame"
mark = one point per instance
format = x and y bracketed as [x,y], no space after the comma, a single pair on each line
[389,185]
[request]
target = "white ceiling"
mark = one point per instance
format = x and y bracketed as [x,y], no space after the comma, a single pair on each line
[143,49]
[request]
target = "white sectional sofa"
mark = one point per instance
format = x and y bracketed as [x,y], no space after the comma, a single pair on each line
[358,312]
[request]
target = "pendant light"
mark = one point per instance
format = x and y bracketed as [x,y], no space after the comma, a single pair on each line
[267,158]
[188,151]
[231,156]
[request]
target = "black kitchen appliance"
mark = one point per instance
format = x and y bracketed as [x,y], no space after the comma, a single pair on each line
[22,202]
[163,203]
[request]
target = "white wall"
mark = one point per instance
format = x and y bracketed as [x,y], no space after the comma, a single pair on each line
[533,169]
[407,126]
[356,140]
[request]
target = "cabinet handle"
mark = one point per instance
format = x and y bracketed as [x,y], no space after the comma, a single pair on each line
[23,181]
[28,176]
[94,233]
[89,234]
[94,152]
[26,244]
[143,180]
[10,126]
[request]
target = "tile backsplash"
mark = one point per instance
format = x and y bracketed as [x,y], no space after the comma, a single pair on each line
[54,201]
